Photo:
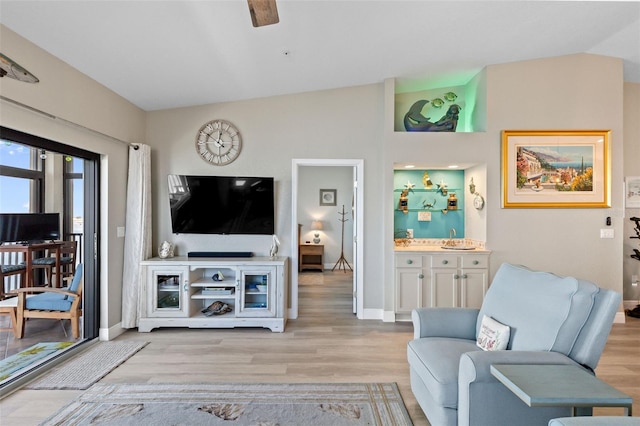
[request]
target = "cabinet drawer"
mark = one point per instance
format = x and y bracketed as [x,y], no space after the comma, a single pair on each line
[408,261]
[444,261]
[475,261]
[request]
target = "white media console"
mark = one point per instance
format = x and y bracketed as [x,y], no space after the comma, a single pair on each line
[179,289]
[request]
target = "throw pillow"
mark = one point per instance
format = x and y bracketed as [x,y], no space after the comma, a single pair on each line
[493,335]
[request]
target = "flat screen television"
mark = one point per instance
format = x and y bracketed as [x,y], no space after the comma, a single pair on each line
[29,227]
[221,205]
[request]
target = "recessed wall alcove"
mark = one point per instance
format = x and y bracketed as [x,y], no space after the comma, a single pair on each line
[420,99]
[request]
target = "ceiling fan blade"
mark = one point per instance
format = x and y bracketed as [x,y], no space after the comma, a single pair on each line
[263,12]
[9,68]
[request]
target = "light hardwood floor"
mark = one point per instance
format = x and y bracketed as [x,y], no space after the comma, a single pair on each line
[326,344]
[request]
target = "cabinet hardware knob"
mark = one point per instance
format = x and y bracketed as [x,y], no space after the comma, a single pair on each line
[409,261]
[464,276]
[475,262]
[444,262]
[421,276]
[456,276]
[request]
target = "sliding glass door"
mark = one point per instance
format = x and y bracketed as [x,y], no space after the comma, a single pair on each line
[38,175]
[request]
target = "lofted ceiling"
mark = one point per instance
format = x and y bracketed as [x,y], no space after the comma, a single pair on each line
[167,54]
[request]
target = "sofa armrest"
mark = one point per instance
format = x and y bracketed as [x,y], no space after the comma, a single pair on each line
[476,366]
[482,399]
[445,322]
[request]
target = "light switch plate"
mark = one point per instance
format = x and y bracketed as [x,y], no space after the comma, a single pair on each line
[606,233]
[120,231]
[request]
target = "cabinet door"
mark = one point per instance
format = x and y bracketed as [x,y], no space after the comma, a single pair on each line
[168,293]
[409,285]
[258,290]
[444,288]
[473,286]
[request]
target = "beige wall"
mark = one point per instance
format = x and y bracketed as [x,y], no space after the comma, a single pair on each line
[572,92]
[64,92]
[553,93]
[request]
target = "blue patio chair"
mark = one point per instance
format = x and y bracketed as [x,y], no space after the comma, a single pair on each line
[54,303]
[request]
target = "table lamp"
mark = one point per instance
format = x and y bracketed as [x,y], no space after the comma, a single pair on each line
[317,226]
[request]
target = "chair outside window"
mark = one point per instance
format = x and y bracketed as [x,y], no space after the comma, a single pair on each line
[67,263]
[53,303]
[7,271]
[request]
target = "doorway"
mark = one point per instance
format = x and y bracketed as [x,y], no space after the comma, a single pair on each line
[356,239]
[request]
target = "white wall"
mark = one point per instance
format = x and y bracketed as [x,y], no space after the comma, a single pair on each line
[552,93]
[333,124]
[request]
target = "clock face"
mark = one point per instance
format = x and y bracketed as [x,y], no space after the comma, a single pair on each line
[218,142]
[478,202]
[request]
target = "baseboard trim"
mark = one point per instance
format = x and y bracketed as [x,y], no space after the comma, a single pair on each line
[372,314]
[620,318]
[106,334]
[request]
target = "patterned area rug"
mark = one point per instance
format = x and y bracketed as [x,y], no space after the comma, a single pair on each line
[297,404]
[28,357]
[83,370]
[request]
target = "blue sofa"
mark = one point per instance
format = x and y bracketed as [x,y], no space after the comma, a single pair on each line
[552,320]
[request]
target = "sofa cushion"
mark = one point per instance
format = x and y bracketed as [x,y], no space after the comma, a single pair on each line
[48,302]
[435,360]
[545,311]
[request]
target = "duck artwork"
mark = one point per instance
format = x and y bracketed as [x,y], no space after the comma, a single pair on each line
[414,121]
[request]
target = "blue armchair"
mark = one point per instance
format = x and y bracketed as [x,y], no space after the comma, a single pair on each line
[552,320]
[54,303]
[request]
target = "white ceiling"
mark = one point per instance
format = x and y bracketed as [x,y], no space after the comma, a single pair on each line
[166,54]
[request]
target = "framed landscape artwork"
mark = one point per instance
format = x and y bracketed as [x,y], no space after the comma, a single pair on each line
[555,169]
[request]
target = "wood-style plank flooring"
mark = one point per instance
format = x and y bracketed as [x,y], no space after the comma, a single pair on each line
[325,344]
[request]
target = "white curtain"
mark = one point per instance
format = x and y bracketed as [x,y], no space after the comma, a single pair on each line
[137,241]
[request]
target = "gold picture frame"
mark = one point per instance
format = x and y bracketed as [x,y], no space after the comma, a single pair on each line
[556,169]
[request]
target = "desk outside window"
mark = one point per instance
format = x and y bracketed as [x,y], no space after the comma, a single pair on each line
[29,250]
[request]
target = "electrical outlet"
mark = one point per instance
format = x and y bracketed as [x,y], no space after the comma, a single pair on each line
[409,233]
[634,280]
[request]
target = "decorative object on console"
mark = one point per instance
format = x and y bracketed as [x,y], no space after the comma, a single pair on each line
[218,142]
[317,226]
[328,197]
[165,250]
[218,276]
[275,246]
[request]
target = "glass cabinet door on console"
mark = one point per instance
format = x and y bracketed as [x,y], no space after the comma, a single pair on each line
[257,293]
[169,293]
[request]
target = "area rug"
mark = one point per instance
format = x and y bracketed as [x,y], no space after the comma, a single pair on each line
[333,404]
[28,357]
[83,370]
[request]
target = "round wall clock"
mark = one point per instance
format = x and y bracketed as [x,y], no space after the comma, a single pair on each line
[478,201]
[218,142]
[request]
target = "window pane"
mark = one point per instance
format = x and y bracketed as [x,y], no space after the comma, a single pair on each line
[15,155]
[78,206]
[14,195]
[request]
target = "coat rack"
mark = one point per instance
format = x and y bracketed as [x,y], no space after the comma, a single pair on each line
[342,261]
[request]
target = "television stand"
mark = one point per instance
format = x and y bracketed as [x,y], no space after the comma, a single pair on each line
[214,292]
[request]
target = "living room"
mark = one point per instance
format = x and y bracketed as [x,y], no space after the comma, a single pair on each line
[574,91]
